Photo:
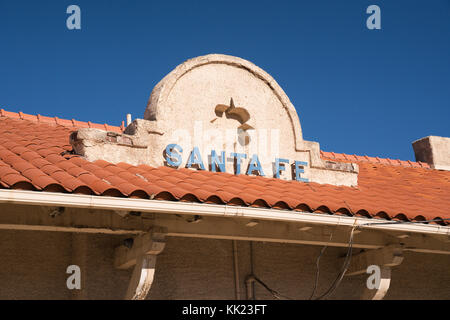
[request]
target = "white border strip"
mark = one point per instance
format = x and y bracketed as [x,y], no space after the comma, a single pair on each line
[177,207]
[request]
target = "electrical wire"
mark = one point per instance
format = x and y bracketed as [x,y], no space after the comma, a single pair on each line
[344,267]
[274,293]
[348,255]
[316,281]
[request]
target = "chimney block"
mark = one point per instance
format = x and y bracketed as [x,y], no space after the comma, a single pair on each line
[433,150]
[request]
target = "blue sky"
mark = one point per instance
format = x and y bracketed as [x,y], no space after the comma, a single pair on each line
[357,91]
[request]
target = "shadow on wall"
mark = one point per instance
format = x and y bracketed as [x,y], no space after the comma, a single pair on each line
[33,266]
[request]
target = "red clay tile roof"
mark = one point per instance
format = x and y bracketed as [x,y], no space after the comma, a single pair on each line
[354,158]
[63,122]
[35,154]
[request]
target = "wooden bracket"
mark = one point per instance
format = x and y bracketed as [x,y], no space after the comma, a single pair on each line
[385,258]
[141,253]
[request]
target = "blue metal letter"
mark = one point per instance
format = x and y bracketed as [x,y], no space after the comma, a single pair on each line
[238,157]
[215,159]
[255,165]
[279,166]
[195,158]
[170,155]
[298,164]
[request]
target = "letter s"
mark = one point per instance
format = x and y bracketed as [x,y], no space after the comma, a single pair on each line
[170,155]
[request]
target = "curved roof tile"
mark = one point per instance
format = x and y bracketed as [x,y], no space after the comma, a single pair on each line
[32,156]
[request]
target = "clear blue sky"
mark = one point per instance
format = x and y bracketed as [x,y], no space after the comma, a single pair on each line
[356,90]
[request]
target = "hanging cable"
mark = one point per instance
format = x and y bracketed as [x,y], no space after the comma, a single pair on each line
[316,281]
[344,268]
[274,293]
[348,255]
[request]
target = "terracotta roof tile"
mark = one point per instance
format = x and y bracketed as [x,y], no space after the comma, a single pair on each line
[6,171]
[32,156]
[13,178]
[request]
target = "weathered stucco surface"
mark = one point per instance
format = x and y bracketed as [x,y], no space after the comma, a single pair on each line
[33,266]
[183,109]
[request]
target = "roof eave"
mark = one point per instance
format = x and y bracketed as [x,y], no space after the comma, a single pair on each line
[203,209]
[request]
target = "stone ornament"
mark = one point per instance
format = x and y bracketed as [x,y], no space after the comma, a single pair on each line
[223,104]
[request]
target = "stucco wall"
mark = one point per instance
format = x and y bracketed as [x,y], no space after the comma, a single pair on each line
[33,266]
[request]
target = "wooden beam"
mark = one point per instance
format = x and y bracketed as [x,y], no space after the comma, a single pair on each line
[80,220]
[28,217]
[284,232]
[79,230]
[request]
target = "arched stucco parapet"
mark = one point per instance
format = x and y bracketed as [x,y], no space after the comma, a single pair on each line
[219,105]
[159,96]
